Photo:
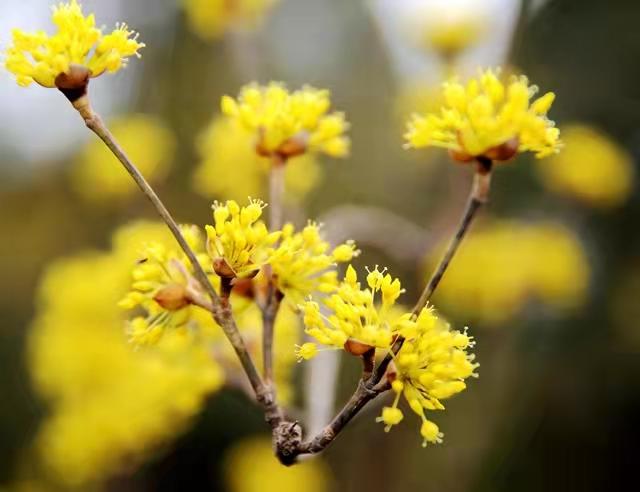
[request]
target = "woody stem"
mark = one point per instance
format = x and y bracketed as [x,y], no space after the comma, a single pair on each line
[220,311]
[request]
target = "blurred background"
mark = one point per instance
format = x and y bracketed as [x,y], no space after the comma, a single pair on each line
[548,280]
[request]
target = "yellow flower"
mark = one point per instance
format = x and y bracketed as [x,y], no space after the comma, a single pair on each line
[488,118]
[230,168]
[592,168]
[147,141]
[448,28]
[109,405]
[250,466]
[239,243]
[505,264]
[287,124]
[306,351]
[431,366]
[163,286]
[355,315]
[210,19]
[304,263]
[38,57]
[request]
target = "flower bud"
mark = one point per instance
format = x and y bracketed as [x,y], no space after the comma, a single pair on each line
[172,297]
[356,348]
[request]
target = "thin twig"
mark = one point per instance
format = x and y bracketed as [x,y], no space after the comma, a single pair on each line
[274,296]
[363,395]
[276,192]
[375,384]
[478,196]
[221,312]
[269,314]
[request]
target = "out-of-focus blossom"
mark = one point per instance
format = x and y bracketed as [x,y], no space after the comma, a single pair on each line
[503,265]
[230,168]
[98,177]
[109,404]
[449,27]
[488,118]
[250,466]
[210,19]
[592,168]
[77,51]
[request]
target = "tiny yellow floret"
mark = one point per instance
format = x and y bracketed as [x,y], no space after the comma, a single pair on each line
[488,118]
[306,351]
[286,124]
[78,46]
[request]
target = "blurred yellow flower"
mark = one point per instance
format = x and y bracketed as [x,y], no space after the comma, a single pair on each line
[488,118]
[211,19]
[449,28]
[109,405]
[231,169]
[250,466]
[431,366]
[99,178]
[592,168]
[285,124]
[77,44]
[506,263]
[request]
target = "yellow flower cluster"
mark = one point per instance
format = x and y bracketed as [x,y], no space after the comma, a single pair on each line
[304,263]
[231,169]
[109,405]
[239,243]
[146,140]
[38,57]
[488,118]
[287,124]
[504,264]
[163,286]
[591,168]
[355,314]
[432,363]
[431,366]
[210,19]
[248,463]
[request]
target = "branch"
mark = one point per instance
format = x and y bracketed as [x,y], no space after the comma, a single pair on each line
[269,313]
[373,383]
[274,296]
[221,311]
[478,196]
